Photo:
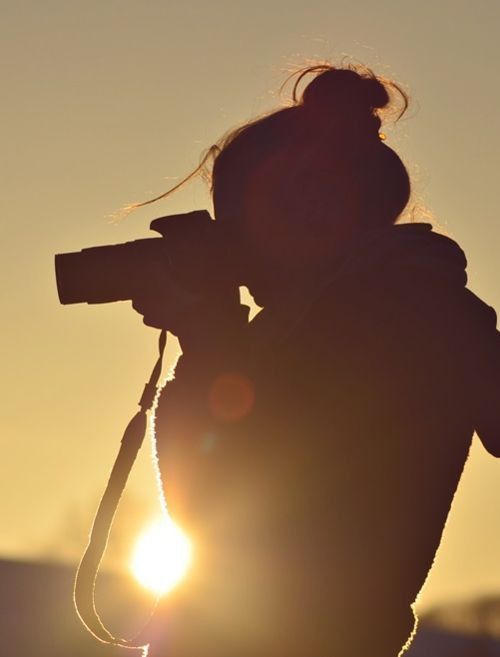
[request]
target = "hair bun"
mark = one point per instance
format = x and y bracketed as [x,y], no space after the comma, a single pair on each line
[334,89]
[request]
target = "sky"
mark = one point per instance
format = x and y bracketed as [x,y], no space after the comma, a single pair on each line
[111,101]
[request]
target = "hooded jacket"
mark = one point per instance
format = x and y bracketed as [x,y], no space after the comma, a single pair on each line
[318,506]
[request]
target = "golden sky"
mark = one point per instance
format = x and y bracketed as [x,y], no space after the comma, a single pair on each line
[104,99]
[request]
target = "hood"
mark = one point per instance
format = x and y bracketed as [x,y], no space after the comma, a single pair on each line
[405,246]
[396,248]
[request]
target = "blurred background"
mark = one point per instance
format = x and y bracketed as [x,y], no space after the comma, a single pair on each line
[113,101]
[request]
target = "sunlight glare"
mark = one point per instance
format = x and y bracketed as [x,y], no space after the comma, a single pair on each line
[161,556]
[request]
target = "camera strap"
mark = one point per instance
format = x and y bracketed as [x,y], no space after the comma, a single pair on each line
[133,437]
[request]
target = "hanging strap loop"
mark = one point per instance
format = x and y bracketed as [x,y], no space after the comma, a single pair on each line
[133,437]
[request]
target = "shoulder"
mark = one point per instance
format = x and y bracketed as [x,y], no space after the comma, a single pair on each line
[398,264]
[403,288]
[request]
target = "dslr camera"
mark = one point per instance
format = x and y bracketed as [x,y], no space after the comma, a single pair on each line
[189,250]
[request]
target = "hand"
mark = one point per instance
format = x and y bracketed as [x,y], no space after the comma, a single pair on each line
[165,304]
[214,317]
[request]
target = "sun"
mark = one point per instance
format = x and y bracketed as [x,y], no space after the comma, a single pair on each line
[161,556]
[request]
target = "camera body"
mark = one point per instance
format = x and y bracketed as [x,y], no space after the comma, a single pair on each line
[189,251]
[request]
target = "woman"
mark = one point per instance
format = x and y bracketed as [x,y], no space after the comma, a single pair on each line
[313,453]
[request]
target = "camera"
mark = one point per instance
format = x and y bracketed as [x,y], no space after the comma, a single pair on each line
[189,250]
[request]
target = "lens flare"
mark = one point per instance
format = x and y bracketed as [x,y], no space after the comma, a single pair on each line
[161,557]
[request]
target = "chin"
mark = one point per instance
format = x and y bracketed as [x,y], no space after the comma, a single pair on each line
[260,297]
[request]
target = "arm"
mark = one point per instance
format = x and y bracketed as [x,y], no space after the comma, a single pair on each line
[484,364]
[488,401]
[213,334]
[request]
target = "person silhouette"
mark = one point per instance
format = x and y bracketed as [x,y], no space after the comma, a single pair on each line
[313,453]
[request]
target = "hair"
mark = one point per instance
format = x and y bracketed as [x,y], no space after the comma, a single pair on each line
[330,129]
[333,124]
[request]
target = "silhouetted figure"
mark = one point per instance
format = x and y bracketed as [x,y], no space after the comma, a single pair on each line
[313,453]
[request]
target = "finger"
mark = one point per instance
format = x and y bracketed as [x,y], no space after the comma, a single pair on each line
[150,316]
[152,323]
